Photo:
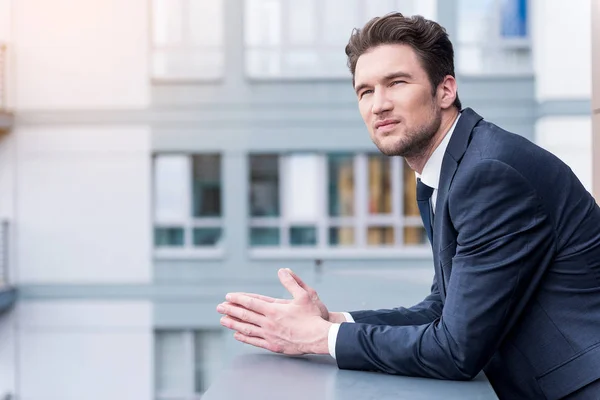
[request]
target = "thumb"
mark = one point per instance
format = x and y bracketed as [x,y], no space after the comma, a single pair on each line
[290,283]
[300,281]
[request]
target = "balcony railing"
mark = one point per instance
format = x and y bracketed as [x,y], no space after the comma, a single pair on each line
[261,375]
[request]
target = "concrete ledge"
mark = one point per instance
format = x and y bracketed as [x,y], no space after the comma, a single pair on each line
[263,375]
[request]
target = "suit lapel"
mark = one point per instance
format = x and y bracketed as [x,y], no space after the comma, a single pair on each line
[454,153]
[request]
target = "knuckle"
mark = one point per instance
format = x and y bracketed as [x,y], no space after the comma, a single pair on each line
[276,348]
[304,296]
[247,331]
[244,315]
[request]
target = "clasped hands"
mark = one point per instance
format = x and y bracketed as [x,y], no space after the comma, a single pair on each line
[297,326]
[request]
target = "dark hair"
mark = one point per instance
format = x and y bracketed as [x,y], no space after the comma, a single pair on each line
[427,38]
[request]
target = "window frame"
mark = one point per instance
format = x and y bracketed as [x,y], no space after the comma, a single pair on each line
[185,47]
[499,44]
[318,48]
[360,222]
[189,222]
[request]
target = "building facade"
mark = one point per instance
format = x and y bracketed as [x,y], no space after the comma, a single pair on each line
[164,153]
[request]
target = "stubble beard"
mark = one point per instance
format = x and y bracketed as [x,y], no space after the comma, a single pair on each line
[414,143]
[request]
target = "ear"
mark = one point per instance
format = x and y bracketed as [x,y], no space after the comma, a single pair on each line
[446,92]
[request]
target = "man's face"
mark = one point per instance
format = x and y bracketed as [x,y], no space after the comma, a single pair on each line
[395,100]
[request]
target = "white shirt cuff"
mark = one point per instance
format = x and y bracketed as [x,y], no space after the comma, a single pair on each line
[332,338]
[333,333]
[348,317]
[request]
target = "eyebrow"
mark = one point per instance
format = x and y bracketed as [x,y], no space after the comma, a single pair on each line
[388,77]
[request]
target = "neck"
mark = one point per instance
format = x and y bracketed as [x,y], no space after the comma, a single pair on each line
[416,163]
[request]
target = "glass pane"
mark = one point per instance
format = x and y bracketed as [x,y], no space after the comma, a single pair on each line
[341,185]
[171,187]
[207,186]
[184,63]
[205,19]
[302,16]
[264,185]
[170,363]
[341,236]
[167,16]
[378,8]
[207,236]
[477,20]
[303,188]
[514,19]
[262,22]
[415,235]
[426,8]
[380,236]
[209,348]
[303,236]
[264,237]
[410,191]
[168,237]
[340,16]
[380,191]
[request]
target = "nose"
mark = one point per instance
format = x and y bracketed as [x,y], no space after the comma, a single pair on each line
[381,102]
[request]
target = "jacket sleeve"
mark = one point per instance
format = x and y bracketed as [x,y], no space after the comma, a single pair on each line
[505,243]
[423,313]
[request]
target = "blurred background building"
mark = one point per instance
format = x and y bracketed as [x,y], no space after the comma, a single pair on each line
[157,154]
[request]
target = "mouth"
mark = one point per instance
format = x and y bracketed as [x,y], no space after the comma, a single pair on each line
[386,125]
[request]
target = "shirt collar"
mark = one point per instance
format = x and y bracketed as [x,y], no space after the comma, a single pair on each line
[433,167]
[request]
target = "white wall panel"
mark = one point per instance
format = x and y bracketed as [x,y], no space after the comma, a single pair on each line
[570,139]
[83,204]
[81,54]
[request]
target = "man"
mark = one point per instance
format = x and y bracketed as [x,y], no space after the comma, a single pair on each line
[515,238]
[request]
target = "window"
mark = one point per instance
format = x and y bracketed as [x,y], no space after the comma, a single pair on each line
[187,39]
[335,201]
[186,363]
[187,202]
[304,39]
[493,37]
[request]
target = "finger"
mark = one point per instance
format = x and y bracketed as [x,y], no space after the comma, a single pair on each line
[290,284]
[240,326]
[221,307]
[311,292]
[257,342]
[235,319]
[299,280]
[250,303]
[241,314]
[267,298]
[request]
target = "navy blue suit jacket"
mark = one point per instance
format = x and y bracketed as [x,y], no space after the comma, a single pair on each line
[516,248]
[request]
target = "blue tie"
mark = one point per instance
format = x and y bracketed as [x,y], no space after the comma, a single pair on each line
[424,193]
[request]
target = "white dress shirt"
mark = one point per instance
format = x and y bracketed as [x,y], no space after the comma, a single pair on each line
[431,177]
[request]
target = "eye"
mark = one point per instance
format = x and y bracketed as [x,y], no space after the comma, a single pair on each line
[368,91]
[397,82]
